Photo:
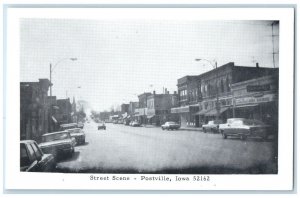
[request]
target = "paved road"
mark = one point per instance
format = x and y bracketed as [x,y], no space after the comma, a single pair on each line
[125,149]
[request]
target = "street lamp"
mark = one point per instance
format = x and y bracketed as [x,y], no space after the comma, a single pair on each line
[52,69]
[216,68]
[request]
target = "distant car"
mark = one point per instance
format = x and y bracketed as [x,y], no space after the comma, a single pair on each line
[212,126]
[102,126]
[58,143]
[135,124]
[170,126]
[32,159]
[244,128]
[78,134]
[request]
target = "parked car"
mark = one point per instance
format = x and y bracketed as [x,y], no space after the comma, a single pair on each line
[170,126]
[102,126]
[80,125]
[32,159]
[244,128]
[212,126]
[135,124]
[58,143]
[78,134]
[68,126]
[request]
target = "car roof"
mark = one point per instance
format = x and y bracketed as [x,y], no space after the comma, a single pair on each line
[73,129]
[69,124]
[55,133]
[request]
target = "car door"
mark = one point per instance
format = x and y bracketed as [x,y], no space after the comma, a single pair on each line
[42,162]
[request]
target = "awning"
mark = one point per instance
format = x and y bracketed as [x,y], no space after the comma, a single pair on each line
[54,120]
[185,109]
[202,112]
[213,112]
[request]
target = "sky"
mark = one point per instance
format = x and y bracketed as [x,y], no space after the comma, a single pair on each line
[120,59]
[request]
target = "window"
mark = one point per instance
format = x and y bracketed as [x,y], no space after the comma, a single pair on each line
[25,161]
[37,152]
[31,154]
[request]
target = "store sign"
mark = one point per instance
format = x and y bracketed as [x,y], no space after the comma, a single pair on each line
[184,109]
[253,100]
[257,88]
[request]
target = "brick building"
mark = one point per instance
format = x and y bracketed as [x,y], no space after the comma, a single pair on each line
[34,110]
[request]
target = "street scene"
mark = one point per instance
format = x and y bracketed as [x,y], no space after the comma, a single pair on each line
[149,97]
[153,150]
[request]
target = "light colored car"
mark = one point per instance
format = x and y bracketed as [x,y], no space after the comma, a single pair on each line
[32,159]
[244,128]
[58,143]
[78,134]
[212,126]
[135,124]
[170,126]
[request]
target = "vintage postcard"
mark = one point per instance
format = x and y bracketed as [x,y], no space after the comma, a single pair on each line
[149,98]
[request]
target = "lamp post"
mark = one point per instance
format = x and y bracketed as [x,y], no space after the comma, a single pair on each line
[52,69]
[217,76]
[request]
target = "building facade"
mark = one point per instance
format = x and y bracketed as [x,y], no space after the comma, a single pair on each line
[159,108]
[257,99]
[141,112]
[210,94]
[34,109]
[188,98]
[64,111]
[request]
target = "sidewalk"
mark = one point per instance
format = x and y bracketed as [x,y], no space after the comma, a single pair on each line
[191,129]
[181,128]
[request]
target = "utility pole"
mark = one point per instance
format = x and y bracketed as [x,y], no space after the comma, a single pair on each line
[50,79]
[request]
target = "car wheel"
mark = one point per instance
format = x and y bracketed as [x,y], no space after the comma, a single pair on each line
[204,130]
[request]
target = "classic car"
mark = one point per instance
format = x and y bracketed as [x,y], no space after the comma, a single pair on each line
[135,124]
[244,128]
[32,159]
[170,126]
[78,134]
[58,143]
[212,126]
[80,125]
[102,126]
[68,126]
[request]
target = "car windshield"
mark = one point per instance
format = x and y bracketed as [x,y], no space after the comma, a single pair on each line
[55,136]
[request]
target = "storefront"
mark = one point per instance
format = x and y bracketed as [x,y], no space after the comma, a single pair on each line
[257,99]
[187,117]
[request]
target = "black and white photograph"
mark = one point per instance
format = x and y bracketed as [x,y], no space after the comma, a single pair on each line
[146,99]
